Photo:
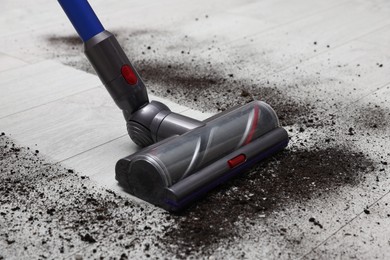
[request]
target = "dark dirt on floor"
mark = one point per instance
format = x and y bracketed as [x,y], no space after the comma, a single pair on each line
[32,190]
[49,211]
[290,176]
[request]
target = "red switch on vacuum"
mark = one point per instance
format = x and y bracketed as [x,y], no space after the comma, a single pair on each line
[236,160]
[129,75]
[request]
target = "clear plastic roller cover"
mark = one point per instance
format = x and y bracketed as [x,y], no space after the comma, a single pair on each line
[163,165]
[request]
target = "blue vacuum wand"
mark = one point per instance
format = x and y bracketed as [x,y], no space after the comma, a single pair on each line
[183,158]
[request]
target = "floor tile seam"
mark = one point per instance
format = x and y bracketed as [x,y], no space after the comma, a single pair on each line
[50,102]
[14,57]
[90,149]
[356,39]
[285,24]
[344,225]
[32,64]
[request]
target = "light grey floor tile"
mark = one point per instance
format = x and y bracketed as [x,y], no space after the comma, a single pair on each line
[40,83]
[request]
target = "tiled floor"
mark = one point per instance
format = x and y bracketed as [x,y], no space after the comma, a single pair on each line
[331,54]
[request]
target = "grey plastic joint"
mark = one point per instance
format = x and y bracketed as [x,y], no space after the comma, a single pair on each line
[139,124]
[155,122]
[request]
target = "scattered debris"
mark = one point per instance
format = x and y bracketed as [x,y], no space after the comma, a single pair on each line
[88,238]
[315,222]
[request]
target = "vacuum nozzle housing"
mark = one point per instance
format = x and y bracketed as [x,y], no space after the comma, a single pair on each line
[179,169]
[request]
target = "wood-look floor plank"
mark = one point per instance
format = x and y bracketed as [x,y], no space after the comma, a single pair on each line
[33,85]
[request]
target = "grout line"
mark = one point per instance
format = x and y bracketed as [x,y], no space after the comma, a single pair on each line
[347,223]
[333,48]
[347,104]
[12,56]
[379,44]
[286,23]
[370,93]
[39,73]
[92,148]
[20,66]
[49,102]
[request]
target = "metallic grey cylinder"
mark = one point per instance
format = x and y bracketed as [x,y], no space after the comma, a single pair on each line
[176,124]
[155,122]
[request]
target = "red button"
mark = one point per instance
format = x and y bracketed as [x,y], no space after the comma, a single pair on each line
[236,160]
[129,74]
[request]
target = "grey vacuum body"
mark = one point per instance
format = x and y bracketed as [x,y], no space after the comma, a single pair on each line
[181,168]
[183,158]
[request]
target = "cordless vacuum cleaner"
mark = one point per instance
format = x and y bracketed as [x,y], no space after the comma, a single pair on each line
[183,158]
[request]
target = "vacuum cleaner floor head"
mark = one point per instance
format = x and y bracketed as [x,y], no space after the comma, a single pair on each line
[178,170]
